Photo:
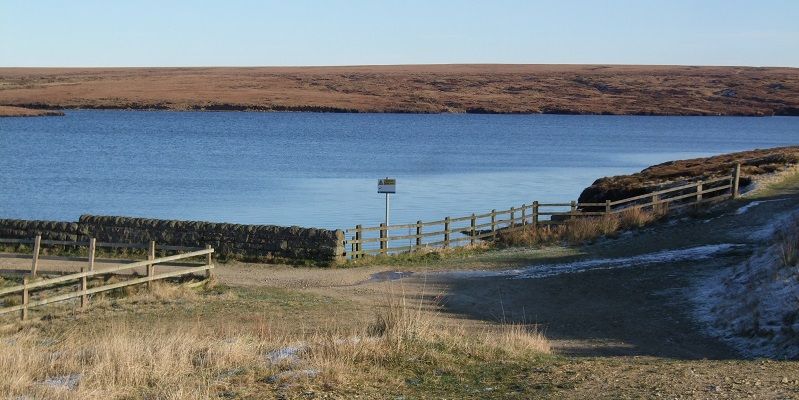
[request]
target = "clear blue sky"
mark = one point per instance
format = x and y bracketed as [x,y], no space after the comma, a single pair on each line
[304,32]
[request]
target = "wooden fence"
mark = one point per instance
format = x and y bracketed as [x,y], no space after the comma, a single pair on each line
[467,230]
[80,280]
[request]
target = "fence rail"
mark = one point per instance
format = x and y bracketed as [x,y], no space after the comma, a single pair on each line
[453,232]
[92,245]
[88,271]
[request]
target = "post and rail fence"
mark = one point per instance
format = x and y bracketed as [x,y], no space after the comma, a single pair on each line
[466,230]
[79,281]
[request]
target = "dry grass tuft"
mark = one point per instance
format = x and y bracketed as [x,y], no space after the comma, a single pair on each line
[519,339]
[164,291]
[787,240]
[580,230]
[635,217]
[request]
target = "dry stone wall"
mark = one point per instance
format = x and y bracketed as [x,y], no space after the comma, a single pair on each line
[50,230]
[246,242]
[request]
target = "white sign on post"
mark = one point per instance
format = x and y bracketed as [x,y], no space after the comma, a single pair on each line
[387,185]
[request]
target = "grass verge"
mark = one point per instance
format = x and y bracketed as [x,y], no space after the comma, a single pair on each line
[580,230]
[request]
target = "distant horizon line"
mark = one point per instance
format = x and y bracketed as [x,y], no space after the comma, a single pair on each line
[395,65]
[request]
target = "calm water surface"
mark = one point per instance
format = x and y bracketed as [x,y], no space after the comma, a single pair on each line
[321,170]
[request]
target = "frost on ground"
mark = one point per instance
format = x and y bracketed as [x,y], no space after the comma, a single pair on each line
[290,354]
[756,203]
[547,270]
[754,306]
[778,221]
[68,382]
[665,256]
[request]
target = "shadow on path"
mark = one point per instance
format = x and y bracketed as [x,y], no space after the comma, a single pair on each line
[621,312]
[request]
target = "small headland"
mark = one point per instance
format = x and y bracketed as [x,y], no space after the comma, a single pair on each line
[755,165]
[10,111]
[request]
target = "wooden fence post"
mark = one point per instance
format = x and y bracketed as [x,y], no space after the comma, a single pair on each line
[494,224]
[383,238]
[573,210]
[607,207]
[535,214]
[699,192]
[736,178]
[446,232]
[84,281]
[512,217]
[25,296]
[37,245]
[84,285]
[92,251]
[472,231]
[208,261]
[150,267]
[358,244]
[524,214]
[418,234]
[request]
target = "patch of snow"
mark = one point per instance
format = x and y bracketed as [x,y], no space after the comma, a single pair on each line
[753,306]
[290,354]
[389,276]
[293,375]
[665,256]
[777,222]
[354,340]
[68,382]
[756,203]
[660,257]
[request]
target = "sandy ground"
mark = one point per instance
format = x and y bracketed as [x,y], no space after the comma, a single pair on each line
[563,89]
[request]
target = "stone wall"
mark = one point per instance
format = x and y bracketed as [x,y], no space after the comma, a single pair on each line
[245,242]
[50,230]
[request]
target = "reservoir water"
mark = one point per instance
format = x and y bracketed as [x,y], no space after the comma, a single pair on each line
[314,169]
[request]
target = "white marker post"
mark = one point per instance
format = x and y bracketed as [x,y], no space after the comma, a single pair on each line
[387,186]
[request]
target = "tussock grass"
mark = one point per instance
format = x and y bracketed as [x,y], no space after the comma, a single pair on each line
[635,217]
[519,339]
[580,230]
[787,242]
[118,359]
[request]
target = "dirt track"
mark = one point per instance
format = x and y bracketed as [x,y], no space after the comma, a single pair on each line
[561,89]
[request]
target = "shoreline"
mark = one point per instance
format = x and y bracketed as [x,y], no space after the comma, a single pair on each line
[28,111]
[22,112]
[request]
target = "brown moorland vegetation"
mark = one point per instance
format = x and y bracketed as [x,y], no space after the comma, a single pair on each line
[469,88]
[754,164]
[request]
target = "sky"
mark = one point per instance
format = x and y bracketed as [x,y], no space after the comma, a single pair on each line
[89,33]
